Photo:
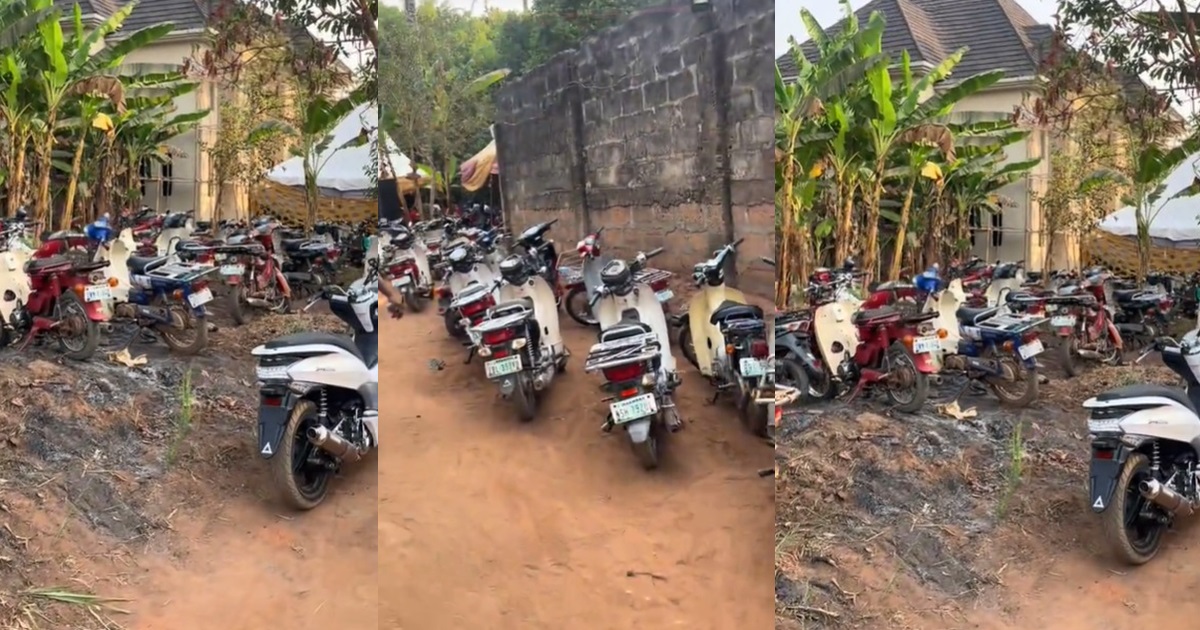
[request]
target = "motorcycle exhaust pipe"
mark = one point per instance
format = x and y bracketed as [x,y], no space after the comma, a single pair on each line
[1165,497]
[258,302]
[334,444]
[1090,354]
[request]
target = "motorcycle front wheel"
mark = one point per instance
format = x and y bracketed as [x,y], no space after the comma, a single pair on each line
[302,484]
[577,307]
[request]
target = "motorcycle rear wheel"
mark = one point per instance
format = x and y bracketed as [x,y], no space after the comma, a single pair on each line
[70,305]
[1127,501]
[1066,356]
[177,339]
[415,302]
[899,358]
[648,452]
[1018,396]
[300,485]
[525,399]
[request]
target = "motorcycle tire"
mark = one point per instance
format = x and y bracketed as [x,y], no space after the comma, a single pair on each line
[1113,520]
[791,373]
[586,318]
[1066,356]
[686,346]
[920,385]
[295,495]
[91,334]
[234,303]
[455,330]
[756,418]
[1026,376]
[199,325]
[414,301]
[525,399]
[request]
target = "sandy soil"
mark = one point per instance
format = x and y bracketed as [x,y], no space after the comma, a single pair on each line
[489,523]
[108,495]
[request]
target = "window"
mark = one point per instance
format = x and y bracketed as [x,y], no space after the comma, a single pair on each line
[168,171]
[997,226]
[145,172]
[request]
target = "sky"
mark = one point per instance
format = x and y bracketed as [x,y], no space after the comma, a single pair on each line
[828,12]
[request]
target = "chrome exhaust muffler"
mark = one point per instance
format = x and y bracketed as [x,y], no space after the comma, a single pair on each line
[1166,498]
[334,444]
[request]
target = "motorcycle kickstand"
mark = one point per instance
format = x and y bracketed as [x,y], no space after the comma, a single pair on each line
[608,425]
[470,355]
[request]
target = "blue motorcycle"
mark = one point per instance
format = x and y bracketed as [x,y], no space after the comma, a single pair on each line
[169,298]
[999,350]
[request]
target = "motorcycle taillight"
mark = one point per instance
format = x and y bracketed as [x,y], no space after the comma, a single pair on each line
[475,307]
[622,373]
[497,337]
[760,349]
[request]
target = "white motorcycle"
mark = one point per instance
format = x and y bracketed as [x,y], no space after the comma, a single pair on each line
[1145,448]
[634,355]
[320,395]
[520,336]
[409,268]
[470,289]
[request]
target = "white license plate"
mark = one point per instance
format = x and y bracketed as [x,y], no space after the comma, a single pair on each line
[97,293]
[232,270]
[664,295]
[402,281]
[1050,308]
[1062,321]
[502,367]
[633,409]
[752,367]
[921,345]
[200,298]
[1031,349]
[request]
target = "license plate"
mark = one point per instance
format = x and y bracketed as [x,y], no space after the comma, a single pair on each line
[200,298]
[1062,321]
[402,281]
[922,345]
[664,295]
[752,367]
[97,293]
[1050,308]
[633,409]
[232,270]
[1031,349]
[502,367]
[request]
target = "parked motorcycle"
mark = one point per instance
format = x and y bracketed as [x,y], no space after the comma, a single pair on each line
[523,326]
[1144,454]
[67,300]
[254,274]
[319,395]
[470,289]
[579,294]
[633,353]
[169,298]
[409,269]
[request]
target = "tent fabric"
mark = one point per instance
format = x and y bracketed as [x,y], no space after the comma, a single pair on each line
[1120,255]
[287,203]
[1176,221]
[346,170]
[474,172]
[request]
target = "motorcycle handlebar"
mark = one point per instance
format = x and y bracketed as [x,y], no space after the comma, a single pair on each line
[654,252]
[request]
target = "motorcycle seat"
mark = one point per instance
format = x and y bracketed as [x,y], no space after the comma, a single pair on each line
[735,310]
[1125,295]
[525,303]
[968,315]
[144,264]
[63,235]
[291,244]
[1147,391]
[873,314]
[315,338]
[41,264]
[895,285]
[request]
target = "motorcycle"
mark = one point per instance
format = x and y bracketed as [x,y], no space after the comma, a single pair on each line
[1144,454]
[579,294]
[409,269]
[1084,323]
[523,326]
[469,290]
[319,395]
[253,273]
[168,298]
[633,353]
[67,299]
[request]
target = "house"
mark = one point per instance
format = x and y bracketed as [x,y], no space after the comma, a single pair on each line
[186,182]
[999,35]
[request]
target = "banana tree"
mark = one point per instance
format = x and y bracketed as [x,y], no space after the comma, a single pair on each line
[1152,164]
[73,69]
[314,137]
[900,111]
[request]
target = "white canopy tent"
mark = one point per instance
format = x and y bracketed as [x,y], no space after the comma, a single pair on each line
[1176,222]
[347,170]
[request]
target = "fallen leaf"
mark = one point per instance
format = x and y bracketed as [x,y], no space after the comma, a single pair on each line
[954,411]
[125,359]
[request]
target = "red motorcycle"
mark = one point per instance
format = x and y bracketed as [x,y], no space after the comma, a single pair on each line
[67,300]
[254,273]
[1083,321]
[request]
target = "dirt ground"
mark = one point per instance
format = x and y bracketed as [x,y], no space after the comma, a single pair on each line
[486,522]
[106,489]
[928,522]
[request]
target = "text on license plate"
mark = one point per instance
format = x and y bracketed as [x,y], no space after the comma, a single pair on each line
[752,367]
[664,295]
[1031,349]
[1061,321]
[926,344]
[502,367]
[97,292]
[200,298]
[232,270]
[633,409]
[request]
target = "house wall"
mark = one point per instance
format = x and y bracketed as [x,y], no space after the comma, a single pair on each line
[189,175]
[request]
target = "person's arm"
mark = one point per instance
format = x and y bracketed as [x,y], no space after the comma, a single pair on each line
[394,298]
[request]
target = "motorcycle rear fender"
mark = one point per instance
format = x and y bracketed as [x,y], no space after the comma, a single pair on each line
[272,421]
[1103,475]
[925,362]
[96,311]
[638,430]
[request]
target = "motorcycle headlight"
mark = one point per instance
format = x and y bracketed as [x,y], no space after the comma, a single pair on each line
[272,373]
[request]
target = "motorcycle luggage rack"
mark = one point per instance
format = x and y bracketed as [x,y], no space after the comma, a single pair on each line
[622,351]
[1008,322]
[469,294]
[182,272]
[499,320]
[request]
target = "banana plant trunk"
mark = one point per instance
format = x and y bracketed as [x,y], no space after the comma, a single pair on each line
[845,224]
[46,164]
[16,179]
[1143,230]
[902,232]
[310,191]
[73,184]
[870,264]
